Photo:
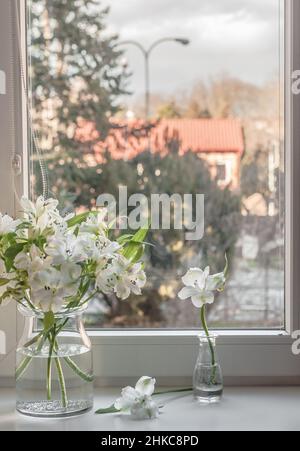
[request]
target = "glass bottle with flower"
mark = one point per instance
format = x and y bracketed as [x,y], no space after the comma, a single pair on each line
[52,266]
[200,287]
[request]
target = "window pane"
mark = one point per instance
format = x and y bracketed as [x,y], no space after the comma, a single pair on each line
[206,119]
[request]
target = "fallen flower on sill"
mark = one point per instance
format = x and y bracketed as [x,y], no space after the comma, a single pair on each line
[138,401]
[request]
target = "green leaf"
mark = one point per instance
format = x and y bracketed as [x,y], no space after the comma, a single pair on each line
[135,248]
[141,235]
[49,320]
[14,250]
[11,254]
[79,219]
[110,409]
[124,239]
[3,282]
[138,254]
[226,269]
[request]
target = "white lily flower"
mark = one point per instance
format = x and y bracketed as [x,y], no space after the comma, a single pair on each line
[7,224]
[138,400]
[43,215]
[85,248]
[32,262]
[95,224]
[130,279]
[50,287]
[200,286]
[106,277]
[60,247]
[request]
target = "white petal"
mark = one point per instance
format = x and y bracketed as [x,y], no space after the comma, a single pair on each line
[192,276]
[128,399]
[187,292]
[201,282]
[27,205]
[198,301]
[147,410]
[215,282]
[209,297]
[145,386]
[122,290]
[206,297]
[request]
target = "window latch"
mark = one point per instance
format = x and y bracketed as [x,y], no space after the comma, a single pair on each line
[17,165]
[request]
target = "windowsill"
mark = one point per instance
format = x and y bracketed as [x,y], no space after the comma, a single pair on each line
[242,409]
[173,337]
[182,333]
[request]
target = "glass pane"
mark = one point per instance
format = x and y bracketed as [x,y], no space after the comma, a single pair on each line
[169,97]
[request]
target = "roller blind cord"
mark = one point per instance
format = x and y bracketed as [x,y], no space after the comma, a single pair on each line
[15,42]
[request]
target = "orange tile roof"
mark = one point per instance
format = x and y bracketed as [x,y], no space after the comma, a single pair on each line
[127,139]
[205,135]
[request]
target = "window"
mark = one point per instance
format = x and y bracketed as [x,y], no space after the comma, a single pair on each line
[209,121]
[167,354]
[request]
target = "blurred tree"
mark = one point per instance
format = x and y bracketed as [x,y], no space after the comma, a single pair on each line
[165,261]
[254,178]
[76,72]
[169,110]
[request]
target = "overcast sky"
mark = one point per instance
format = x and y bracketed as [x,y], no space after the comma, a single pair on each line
[237,37]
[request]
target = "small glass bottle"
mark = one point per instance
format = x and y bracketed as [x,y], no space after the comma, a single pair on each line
[54,375]
[208,379]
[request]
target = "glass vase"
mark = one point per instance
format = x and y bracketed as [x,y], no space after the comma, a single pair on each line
[208,379]
[54,375]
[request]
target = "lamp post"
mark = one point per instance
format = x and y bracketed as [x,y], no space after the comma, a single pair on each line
[147,53]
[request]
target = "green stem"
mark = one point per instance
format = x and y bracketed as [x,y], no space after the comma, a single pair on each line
[22,367]
[86,377]
[27,360]
[61,383]
[169,392]
[34,340]
[49,366]
[204,324]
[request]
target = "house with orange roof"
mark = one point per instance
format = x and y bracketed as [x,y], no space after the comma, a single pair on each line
[219,142]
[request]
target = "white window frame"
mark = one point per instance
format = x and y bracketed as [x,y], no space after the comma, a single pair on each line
[248,357]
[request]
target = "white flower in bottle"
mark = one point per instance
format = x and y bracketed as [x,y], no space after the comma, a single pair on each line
[43,216]
[130,278]
[95,224]
[85,248]
[51,287]
[200,286]
[138,401]
[60,247]
[92,247]
[31,261]
[7,224]
[106,276]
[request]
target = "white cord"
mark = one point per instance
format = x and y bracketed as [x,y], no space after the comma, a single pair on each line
[15,25]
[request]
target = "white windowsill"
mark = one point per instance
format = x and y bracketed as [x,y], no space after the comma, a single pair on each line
[188,337]
[242,409]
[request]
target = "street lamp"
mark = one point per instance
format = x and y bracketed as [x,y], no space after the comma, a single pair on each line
[147,53]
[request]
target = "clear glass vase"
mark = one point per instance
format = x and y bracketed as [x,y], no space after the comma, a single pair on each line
[208,378]
[54,375]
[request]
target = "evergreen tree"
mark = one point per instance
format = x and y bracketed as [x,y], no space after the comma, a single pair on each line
[75,74]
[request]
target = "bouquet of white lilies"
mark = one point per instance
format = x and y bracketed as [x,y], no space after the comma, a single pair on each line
[52,266]
[50,263]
